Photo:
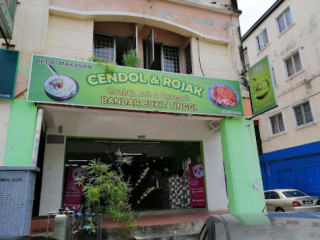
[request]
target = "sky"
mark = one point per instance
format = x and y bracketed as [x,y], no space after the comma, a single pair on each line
[252,10]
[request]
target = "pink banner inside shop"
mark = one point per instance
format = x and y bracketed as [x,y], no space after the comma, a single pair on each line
[197,189]
[72,190]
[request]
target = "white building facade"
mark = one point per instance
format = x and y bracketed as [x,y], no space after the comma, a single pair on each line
[189,50]
[288,34]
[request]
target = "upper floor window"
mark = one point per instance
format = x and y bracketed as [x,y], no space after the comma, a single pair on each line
[104,46]
[187,55]
[284,20]
[161,50]
[277,124]
[293,64]
[303,114]
[166,58]
[111,47]
[262,39]
[171,59]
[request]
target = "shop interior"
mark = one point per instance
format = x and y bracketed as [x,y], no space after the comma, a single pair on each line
[168,163]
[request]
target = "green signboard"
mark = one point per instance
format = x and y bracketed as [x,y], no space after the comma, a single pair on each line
[261,87]
[7,12]
[8,72]
[63,81]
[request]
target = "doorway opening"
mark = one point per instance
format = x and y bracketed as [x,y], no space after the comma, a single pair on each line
[168,163]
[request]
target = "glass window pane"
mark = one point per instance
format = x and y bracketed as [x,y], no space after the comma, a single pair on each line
[277,124]
[187,54]
[280,123]
[297,62]
[298,114]
[290,67]
[307,112]
[274,125]
[281,24]
[103,47]
[290,194]
[171,61]
[258,43]
[288,18]
[264,37]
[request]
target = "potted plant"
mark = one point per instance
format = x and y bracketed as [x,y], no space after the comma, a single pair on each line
[107,191]
[109,66]
[131,59]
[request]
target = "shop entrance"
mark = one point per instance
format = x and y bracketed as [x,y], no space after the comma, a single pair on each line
[168,163]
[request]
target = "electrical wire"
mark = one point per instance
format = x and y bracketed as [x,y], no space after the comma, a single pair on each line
[199,57]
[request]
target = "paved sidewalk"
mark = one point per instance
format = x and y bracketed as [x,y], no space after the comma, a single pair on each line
[167,217]
[149,218]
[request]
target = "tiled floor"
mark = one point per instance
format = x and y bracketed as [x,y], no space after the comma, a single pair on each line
[168,217]
[161,217]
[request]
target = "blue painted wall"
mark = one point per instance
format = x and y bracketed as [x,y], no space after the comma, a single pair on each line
[297,167]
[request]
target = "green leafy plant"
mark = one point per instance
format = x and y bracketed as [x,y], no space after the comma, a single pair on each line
[106,191]
[89,224]
[109,66]
[96,59]
[131,59]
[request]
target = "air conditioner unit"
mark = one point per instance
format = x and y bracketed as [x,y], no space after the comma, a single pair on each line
[214,126]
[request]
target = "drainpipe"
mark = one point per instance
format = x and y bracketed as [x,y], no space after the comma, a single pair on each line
[37,138]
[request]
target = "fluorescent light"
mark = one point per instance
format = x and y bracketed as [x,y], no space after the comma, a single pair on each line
[133,154]
[124,142]
[101,141]
[77,160]
[135,142]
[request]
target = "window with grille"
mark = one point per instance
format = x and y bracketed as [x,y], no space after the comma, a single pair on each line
[104,47]
[112,47]
[166,57]
[262,39]
[171,61]
[303,114]
[187,54]
[284,20]
[277,124]
[293,64]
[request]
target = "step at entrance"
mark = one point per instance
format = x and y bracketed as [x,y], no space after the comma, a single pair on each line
[179,231]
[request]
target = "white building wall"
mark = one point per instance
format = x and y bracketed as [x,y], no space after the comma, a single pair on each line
[303,36]
[52,179]
[212,60]
[69,38]
[28,37]
[215,60]
[108,124]
[5,106]
[72,37]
